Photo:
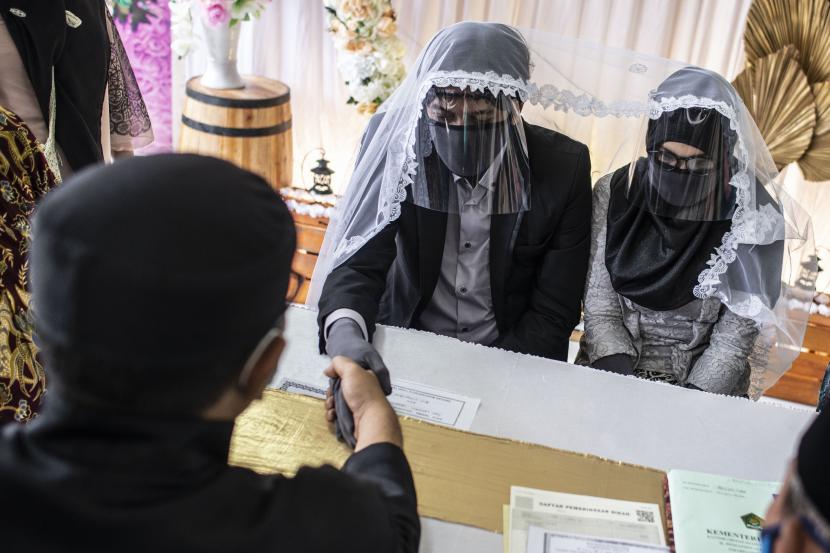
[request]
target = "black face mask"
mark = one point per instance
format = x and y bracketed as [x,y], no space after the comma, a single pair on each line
[467,151]
[679,188]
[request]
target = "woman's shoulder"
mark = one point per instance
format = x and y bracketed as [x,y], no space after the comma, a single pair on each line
[602,189]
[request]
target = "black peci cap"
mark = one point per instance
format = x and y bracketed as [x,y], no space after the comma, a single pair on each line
[166,261]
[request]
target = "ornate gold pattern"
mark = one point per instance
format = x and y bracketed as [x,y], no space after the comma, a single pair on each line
[25,177]
[816,162]
[460,477]
[778,96]
[804,27]
[805,24]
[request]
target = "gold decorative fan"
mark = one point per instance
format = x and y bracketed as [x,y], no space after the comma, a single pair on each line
[805,24]
[816,162]
[777,93]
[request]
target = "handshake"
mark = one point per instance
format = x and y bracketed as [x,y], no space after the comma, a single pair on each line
[355,392]
[359,382]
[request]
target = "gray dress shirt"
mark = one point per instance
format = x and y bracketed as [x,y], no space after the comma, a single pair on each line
[462,302]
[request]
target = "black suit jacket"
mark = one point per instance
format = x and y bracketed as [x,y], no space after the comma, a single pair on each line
[538,259]
[81,59]
[78,481]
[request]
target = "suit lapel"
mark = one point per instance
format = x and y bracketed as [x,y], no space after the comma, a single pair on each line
[432,229]
[502,228]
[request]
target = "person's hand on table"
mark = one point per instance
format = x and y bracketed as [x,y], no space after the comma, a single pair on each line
[372,418]
[345,338]
[619,363]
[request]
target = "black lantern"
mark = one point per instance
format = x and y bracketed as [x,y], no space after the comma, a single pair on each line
[321,175]
[809,273]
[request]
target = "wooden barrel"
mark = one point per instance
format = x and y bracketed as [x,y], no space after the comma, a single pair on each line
[250,126]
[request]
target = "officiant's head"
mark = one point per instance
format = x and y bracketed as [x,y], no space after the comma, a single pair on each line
[799,519]
[159,285]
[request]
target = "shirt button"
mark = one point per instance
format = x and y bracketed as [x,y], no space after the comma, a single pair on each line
[463,290]
[467,245]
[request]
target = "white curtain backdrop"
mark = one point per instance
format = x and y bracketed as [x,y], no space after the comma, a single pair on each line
[290,43]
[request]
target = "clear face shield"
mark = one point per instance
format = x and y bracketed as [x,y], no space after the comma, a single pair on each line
[471,139]
[684,166]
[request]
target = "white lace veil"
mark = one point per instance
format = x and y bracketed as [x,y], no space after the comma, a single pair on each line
[753,271]
[594,94]
[602,97]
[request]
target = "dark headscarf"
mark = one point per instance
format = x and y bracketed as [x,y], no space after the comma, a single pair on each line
[813,464]
[169,261]
[654,260]
[653,257]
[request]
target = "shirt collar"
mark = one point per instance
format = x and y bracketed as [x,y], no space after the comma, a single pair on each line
[487,182]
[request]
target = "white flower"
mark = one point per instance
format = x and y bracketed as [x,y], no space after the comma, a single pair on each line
[181,47]
[370,55]
[181,27]
[248,9]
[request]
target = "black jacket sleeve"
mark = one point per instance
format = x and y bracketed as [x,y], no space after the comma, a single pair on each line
[556,299]
[367,507]
[386,466]
[360,281]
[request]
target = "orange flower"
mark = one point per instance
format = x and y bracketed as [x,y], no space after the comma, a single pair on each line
[358,9]
[358,45]
[367,108]
[386,27]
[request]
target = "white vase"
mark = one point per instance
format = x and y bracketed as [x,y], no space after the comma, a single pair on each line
[222,43]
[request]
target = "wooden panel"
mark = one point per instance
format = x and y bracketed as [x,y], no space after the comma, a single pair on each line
[802,382]
[310,238]
[304,263]
[796,388]
[319,222]
[303,293]
[310,234]
[460,477]
[810,365]
[817,337]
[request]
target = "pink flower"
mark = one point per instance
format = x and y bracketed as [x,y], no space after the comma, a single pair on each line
[217,12]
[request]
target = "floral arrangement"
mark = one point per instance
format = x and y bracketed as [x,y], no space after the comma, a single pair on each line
[370,56]
[216,13]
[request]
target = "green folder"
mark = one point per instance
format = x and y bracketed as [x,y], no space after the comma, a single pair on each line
[718,513]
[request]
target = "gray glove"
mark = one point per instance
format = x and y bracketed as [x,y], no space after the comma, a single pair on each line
[346,338]
[619,363]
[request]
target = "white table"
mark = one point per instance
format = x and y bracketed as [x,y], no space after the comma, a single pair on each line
[570,407]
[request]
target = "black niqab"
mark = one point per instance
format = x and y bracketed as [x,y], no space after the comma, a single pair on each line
[654,260]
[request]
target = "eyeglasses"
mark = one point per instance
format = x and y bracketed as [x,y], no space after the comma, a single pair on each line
[295,285]
[698,165]
[770,535]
